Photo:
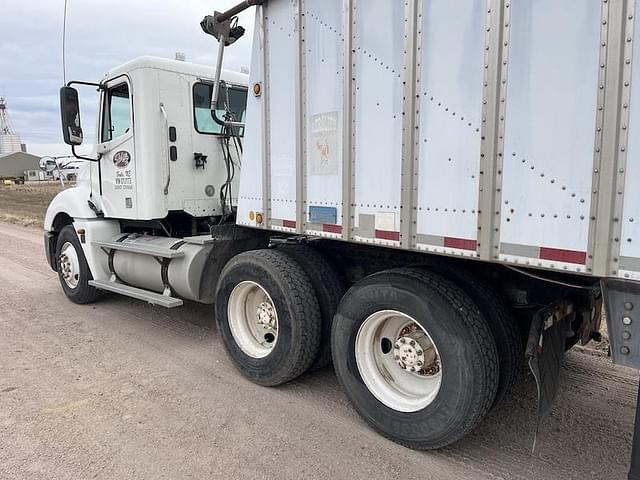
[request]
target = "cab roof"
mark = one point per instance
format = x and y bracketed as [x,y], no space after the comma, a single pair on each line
[175,66]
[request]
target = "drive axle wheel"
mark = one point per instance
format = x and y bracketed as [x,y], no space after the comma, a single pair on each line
[415,357]
[398,361]
[253,319]
[268,316]
[72,267]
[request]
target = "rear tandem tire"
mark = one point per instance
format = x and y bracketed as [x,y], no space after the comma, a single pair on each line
[268,316]
[500,319]
[429,415]
[73,270]
[328,288]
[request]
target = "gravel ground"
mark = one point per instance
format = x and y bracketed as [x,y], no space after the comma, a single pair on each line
[123,390]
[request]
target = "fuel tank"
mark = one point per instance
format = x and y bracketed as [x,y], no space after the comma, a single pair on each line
[183,274]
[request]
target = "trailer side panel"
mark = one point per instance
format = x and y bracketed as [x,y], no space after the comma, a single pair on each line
[549,135]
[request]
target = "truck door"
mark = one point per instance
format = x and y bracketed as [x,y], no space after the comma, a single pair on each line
[117,150]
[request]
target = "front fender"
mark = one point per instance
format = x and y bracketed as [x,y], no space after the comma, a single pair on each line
[72,202]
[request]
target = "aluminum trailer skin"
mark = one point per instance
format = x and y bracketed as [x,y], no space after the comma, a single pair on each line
[472,163]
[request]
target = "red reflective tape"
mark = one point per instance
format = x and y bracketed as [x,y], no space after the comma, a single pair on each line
[329,228]
[461,243]
[387,235]
[569,256]
[289,223]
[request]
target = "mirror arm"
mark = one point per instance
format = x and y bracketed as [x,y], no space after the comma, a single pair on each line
[99,86]
[216,82]
[80,157]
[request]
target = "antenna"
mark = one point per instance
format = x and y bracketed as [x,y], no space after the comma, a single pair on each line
[64,43]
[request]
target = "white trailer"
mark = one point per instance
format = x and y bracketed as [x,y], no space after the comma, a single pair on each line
[412,189]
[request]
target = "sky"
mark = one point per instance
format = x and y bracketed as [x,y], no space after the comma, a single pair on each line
[100,35]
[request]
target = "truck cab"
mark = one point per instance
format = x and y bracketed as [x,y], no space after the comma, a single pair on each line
[161,167]
[158,150]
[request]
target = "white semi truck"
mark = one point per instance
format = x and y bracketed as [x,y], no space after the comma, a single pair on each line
[425,193]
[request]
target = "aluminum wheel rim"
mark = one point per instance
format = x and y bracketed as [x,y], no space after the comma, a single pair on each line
[69,265]
[253,319]
[387,376]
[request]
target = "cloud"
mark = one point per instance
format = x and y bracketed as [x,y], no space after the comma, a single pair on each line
[100,36]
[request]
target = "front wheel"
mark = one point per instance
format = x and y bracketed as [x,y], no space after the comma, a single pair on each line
[72,267]
[415,357]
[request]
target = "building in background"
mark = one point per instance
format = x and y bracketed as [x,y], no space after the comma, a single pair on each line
[15,164]
[9,140]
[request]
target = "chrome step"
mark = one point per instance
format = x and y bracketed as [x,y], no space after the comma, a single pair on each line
[142,249]
[138,293]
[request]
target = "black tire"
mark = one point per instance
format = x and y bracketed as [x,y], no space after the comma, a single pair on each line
[328,288]
[504,326]
[299,322]
[82,293]
[464,341]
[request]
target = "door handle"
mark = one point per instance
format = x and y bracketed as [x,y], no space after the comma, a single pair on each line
[168,165]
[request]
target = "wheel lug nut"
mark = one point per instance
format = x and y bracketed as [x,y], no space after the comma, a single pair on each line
[412,343]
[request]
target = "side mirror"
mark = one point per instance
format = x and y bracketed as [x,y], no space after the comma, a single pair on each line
[70,115]
[48,164]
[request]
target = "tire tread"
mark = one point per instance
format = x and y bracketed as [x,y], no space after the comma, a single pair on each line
[86,293]
[483,357]
[474,320]
[329,289]
[304,306]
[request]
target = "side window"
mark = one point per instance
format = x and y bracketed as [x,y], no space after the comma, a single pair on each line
[116,114]
[230,99]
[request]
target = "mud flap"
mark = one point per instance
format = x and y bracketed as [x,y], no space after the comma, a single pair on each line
[545,351]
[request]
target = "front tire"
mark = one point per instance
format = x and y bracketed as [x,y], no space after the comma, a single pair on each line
[415,357]
[73,270]
[268,316]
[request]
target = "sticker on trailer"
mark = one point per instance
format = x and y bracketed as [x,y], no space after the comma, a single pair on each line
[323,215]
[324,149]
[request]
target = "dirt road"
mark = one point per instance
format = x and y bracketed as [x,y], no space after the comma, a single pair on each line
[123,390]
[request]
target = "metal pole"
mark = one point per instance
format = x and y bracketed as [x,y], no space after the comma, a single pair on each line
[634,470]
[216,83]
[59,173]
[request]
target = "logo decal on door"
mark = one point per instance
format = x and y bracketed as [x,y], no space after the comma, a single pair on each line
[121,159]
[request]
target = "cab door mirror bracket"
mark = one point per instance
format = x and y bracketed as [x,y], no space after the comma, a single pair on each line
[70,116]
